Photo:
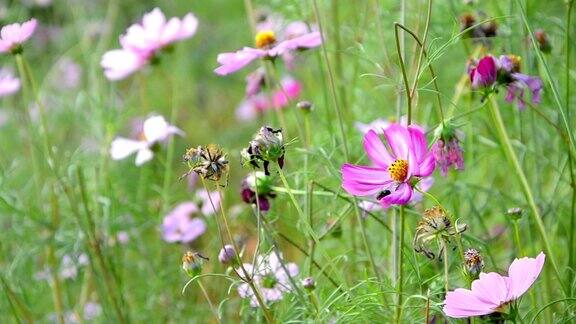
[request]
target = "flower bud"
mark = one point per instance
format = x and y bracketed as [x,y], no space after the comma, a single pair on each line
[542,39]
[305,106]
[227,254]
[473,263]
[308,283]
[515,213]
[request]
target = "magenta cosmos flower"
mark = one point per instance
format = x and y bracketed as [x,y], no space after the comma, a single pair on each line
[267,47]
[490,72]
[12,36]
[396,169]
[142,42]
[8,83]
[179,226]
[492,291]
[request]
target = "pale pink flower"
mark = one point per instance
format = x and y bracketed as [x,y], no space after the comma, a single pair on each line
[271,277]
[8,83]
[291,89]
[255,105]
[12,36]
[156,129]
[378,125]
[267,47]
[180,226]
[142,42]
[206,207]
[492,291]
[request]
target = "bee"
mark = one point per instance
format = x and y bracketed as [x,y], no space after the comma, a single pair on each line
[383,194]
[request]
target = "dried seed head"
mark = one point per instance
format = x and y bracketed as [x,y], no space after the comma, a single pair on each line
[435,225]
[305,106]
[266,147]
[208,161]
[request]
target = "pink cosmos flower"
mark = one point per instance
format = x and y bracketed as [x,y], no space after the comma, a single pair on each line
[255,105]
[492,291]
[484,74]
[142,42]
[266,47]
[12,36]
[155,130]
[395,170]
[505,70]
[270,277]
[178,226]
[8,83]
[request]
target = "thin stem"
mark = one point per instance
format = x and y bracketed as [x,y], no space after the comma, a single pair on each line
[109,282]
[404,76]
[513,161]
[568,46]
[332,82]
[430,68]
[246,278]
[446,267]
[209,301]
[398,265]
[422,45]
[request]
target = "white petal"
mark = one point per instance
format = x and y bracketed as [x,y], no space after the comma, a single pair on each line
[122,147]
[144,155]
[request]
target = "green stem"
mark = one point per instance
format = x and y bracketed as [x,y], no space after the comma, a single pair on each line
[513,161]
[246,277]
[404,76]
[399,264]
[446,267]
[209,301]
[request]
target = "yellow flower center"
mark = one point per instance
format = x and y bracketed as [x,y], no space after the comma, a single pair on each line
[265,38]
[398,170]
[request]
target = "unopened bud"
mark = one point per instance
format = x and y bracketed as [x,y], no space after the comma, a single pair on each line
[305,106]
[227,254]
[515,213]
[308,283]
[473,263]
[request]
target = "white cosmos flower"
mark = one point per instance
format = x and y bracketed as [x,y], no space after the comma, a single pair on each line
[156,129]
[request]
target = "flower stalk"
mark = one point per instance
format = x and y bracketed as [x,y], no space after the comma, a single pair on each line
[513,161]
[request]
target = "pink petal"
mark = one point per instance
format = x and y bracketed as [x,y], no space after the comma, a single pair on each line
[426,167]
[310,40]
[418,142]
[234,61]
[400,196]
[398,138]
[188,27]
[120,63]
[462,303]
[363,180]
[523,272]
[376,150]
[491,288]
